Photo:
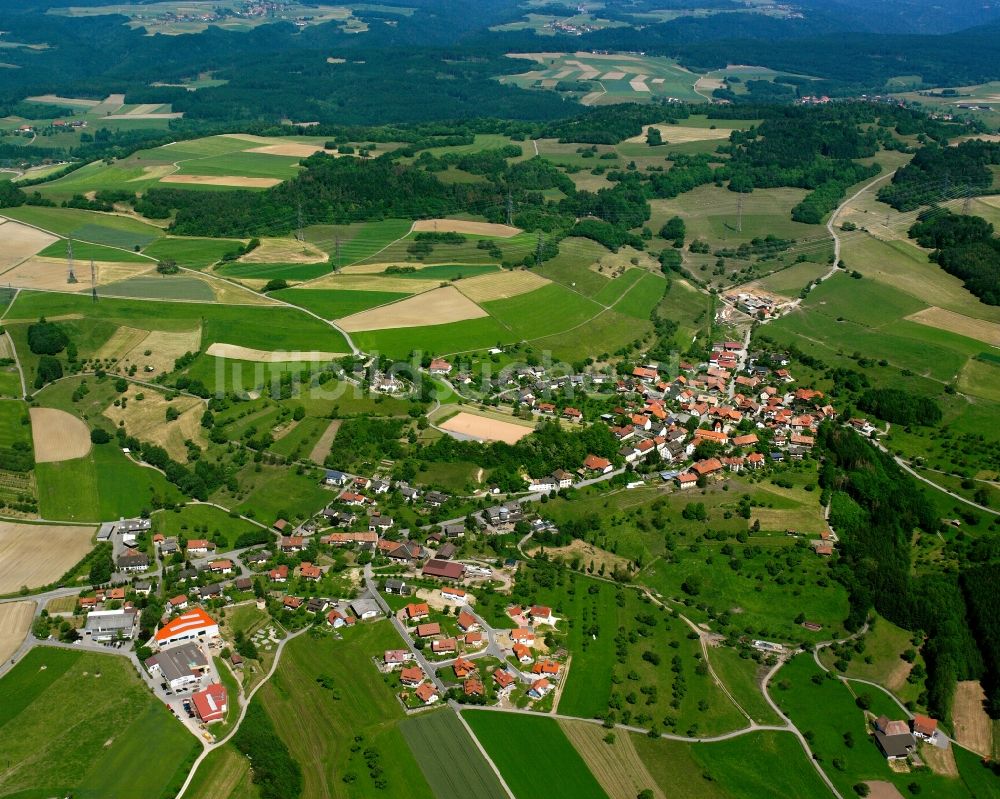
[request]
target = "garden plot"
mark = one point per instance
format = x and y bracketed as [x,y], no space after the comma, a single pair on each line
[19,242]
[465,226]
[38,554]
[285,251]
[15,621]
[147,420]
[437,307]
[501,285]
[58,436]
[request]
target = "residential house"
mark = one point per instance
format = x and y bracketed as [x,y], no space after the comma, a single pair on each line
[292,543]
[539,688]
[466,621]
[924,726]
[396,586]
[210,591]
[540,614]
[522,653]
[279,574]
[397,657]
[439,366]
[411,676]
[223,566]
[446,551]
[474,687]
[417,611]
[426,693]
[334,478]
[504,680]
[594,463]
[444,645]
[132,561]
[309,571]
[292,602]
[894,738]
[428,630]
[453,595]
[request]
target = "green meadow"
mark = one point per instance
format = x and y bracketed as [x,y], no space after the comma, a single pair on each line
[52,696]
[335,303]
[89,226]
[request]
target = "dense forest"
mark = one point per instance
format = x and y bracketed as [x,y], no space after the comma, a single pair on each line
[875,509]
[966,247]
[939,173]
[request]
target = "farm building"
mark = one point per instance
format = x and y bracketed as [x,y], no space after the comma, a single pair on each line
[443,569]
[365,609]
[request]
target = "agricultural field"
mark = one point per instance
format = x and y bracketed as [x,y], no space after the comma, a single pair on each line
[743,677]
[52,694]
[37,555]
[120,232]
[747,767]
[506,736]
[451,763]
[336,304]
[15,621]
[201,521]
[606,79]
[613,759]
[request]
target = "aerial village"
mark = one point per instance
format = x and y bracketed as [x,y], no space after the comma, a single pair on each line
[354,563]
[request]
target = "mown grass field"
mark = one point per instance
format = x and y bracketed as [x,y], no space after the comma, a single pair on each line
[52,695]
[742,677]
[201,521]
[103,485]
[453,766]
[243,164]
[84,251]
[748,767]
[271,271]
[471,334]
[600,336]
[508,736]
[545,311]
[358,241]
[191,253]
[320,726]
[333,303]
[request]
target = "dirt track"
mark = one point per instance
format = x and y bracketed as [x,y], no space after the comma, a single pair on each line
[58,436]
[322,448]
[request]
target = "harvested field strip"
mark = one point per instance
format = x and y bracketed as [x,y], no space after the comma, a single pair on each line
[322,448]
[617,766]
[440,306]
[978,329]
[220,350]
[507,736]
[972,727]
[58,436]
[35,554]
[336,304]
[371,283]
[448,757]
[122,341]
[285,251]
[465,226]
[680,134]
[19,242]
[222,180]
[500,285]
[15,621]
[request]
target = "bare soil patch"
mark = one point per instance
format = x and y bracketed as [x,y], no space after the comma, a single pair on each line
[978,329]
[322,447]
[19,242]
[220,350]
[170,115]
[38,554]
[58,436]
[679,134]
[973,728]
[940,761]
[465,226]
[285,251]
[616,75]
[588,554]
[55,99]
[437,307]
[617,767]
[500,285]
[15,621]
[880,789]
[483,428]
[147,420]
[222,180]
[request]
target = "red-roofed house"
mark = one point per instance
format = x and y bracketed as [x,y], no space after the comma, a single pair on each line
[444,645]
[596,464]
[504,680]
[539,688]
[463,667]
[221,566]
[418,610]
[474,687]
[540,614]
[411,676]
[522,653]
[309,571]
[278,574]
[439,366]
[707,467]
[427,630]
[924,726]
[426,693]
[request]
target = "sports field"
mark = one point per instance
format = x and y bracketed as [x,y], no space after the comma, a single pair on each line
[52,696]
[483,428]
[451,762]
[508,736]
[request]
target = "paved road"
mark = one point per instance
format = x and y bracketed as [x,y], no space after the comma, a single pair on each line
[831,225]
